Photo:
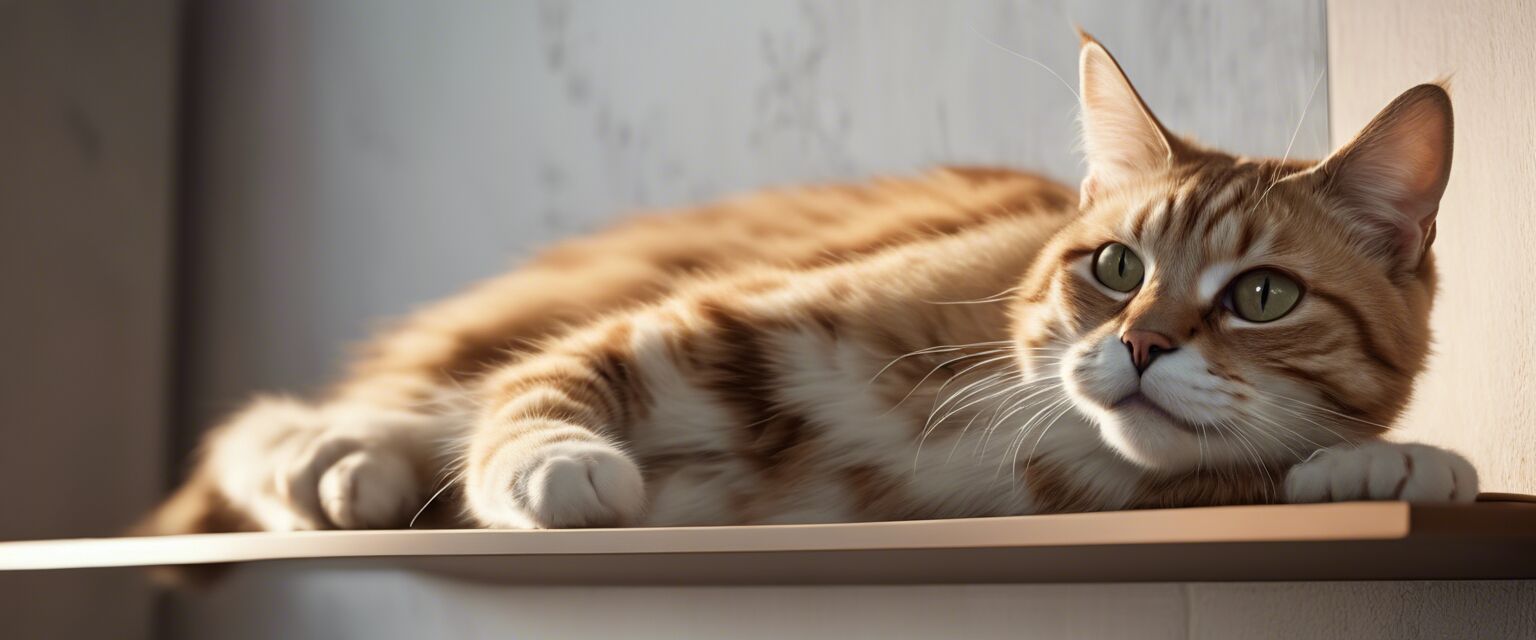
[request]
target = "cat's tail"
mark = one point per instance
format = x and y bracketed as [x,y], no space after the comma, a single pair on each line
[195,507]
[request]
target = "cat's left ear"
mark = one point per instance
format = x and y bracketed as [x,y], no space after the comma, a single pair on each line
[1391,176]
[1121,138]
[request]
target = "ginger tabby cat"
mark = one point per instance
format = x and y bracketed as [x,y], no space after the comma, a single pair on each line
[1187,328]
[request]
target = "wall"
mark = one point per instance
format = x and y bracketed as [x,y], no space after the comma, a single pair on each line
[355,157]
[1480,394]
[86,110]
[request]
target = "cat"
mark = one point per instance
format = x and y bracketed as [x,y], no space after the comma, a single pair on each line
[1185,328]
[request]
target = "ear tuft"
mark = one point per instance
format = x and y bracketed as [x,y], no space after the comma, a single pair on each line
[1083,37]
[1392,175]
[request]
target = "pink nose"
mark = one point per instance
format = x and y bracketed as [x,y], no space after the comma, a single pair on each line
[1145,346]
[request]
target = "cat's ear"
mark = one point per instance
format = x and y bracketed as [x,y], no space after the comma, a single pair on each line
[1121,137]
[1391,176]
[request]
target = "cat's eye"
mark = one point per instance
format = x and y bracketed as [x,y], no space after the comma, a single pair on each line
[1117,267]
[1263,295]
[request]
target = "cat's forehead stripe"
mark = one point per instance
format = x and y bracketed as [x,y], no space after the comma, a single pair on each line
[1224,234]
[1203,195]
[1225,197]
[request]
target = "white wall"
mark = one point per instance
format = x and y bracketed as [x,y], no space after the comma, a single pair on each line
[87,104]
[357,157]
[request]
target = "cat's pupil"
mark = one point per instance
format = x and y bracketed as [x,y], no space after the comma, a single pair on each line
[1264,294]
[1121,265]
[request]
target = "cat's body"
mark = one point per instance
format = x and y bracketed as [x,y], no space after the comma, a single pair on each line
[945,346]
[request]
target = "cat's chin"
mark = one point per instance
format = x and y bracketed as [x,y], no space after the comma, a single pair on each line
[1149,436]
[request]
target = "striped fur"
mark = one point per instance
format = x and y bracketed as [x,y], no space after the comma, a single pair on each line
[924,348]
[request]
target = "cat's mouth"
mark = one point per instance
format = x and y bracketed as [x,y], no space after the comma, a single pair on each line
[1137,401]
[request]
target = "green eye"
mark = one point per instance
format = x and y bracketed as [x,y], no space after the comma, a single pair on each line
[1263,295]
[1117,267]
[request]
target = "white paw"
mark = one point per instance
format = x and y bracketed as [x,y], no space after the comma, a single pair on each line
[347,484]
[562,485]
[1382,471]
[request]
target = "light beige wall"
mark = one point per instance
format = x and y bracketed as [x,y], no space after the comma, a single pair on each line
[1480,394]
[86,112]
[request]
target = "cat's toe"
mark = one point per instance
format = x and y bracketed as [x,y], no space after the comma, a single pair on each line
[577,487]
[369,489]
[564,485]
[340,482]
[1383,471]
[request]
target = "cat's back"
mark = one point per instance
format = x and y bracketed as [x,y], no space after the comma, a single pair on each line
[651,255]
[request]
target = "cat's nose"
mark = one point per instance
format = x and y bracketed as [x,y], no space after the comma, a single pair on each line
[1145,346]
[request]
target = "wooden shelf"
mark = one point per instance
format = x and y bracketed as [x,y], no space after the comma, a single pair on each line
[1495,538]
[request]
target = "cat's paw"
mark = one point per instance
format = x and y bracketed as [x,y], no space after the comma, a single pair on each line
[345,483]
[561,485]
[1382,471]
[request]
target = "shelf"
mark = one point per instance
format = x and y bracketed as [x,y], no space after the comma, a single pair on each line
[1494,538]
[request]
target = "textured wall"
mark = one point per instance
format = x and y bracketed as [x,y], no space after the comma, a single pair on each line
[1480,394]
[86,114]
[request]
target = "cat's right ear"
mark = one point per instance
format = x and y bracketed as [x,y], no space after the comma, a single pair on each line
[1121,137]
[1391,177]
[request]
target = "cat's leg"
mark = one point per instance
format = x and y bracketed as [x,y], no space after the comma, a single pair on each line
[1380,470]
[547,451]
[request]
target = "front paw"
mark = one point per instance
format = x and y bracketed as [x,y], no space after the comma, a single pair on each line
[561,485]
[349,484]
[1382,471]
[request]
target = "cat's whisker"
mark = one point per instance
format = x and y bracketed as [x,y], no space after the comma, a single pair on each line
[1299,122]
[1045,418]
[1254,456]
[1030,459]
[1044,406]
[939,400]
[1037,63]
[1003,401]
[1265,429]
[1002,397]
[962,398]
[1008,384]
[1200,443]
[1260,429]
[1004,295]
[992,381]
[1022,404]
[1310,418]
[1313,420]
[943,348]
[1308,405]
[458,476]
[935,369]
[1287,430]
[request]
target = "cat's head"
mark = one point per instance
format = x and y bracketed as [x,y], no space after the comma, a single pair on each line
[1211,309]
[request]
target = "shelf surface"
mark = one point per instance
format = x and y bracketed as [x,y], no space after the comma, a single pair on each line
[1495,538]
